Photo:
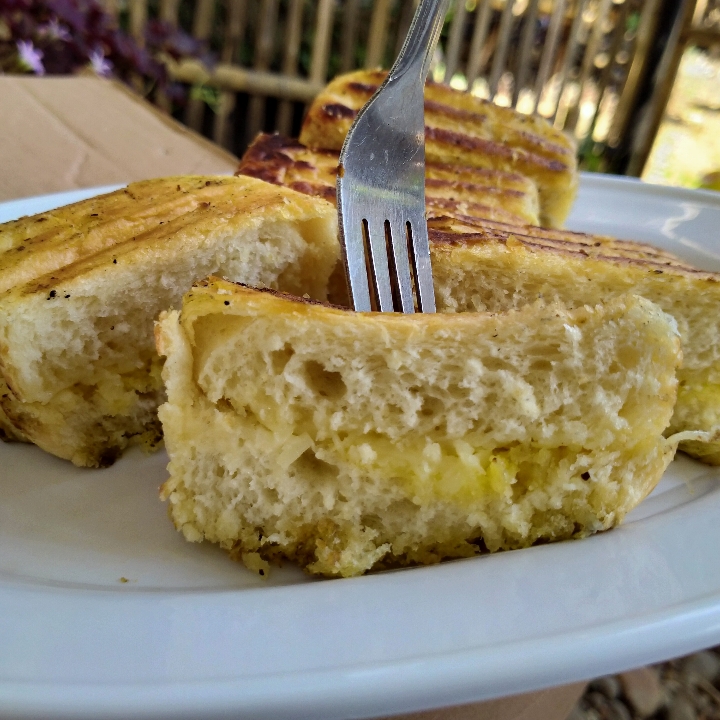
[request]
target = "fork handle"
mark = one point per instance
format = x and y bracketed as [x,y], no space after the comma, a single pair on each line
[421,40]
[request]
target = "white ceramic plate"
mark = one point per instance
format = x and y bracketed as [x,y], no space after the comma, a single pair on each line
[192,634]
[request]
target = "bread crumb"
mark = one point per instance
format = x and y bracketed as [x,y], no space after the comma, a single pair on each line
[253,562]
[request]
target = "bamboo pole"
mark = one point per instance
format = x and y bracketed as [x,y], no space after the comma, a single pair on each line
[138,20]
[323,37]
[237,79]
[350,25]
[169,11]
[263,54]
[703,36]
[604,80]
[407,10]
[591,50]
[666,74]
[476,58]
[234,32]
[202,27]
[501,52]
[638,70]
[570,49]
[547,59]
[457,32]
[699,13]
[234,29]
[526,45]
[293,36]
[377,37]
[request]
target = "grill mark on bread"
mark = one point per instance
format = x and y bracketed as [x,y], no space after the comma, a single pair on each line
[337,110]
[471,187]
[571,237]
[450,189]
[489,148]
[568,248]
[363,88]
[269,153]
[492,148]
[460,209]
[315,189]
[504,176]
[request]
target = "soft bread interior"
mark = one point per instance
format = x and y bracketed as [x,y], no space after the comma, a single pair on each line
[348,441]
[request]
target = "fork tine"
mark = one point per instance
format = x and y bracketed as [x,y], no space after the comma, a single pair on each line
[421,264]
[377,244]
[352,245]
[401,262]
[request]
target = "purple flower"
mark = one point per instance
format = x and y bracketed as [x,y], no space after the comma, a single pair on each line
[100,64]
[30,57]
[54,31]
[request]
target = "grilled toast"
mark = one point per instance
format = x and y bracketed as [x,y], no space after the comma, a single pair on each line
[461,129]
[488,266]
[81,286]
[449,189]
[349,441]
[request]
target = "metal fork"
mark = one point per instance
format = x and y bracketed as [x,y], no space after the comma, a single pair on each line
[381,182]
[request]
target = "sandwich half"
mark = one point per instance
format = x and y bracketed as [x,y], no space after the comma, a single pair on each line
[81,286]
[349,441]
[461,129]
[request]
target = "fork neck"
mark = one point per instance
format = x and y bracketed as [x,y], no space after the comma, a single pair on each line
[422,38]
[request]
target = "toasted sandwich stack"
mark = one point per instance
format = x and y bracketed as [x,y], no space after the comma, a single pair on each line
[537,407]
[483,262]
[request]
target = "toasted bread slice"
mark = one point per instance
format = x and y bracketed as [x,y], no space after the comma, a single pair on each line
[81,286]
[487,266]
[454,190]
[349,441]
[461,129]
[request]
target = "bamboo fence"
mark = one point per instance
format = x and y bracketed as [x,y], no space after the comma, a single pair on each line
[579,63]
